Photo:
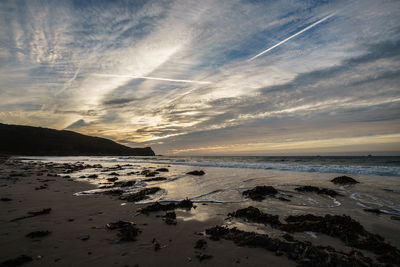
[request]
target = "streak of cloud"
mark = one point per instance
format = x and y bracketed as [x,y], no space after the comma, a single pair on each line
[292,36]
[151,78]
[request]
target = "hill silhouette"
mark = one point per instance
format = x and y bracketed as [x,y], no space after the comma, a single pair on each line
[38,141]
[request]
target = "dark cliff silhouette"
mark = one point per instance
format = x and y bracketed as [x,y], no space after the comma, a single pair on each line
[37,141]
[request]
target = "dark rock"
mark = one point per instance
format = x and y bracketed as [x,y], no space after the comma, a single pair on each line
[38,234]
[200,244]
[255,215]
[114,174]
[155,179]
[17,261]
[170,218]
[202,256]
[157,245]
[304,253]
[198,173]
[184,204]
[142,194]
[92,176]
[162,170]
[149,173]
[344,180]
[84,237]
[351,232]
[45,186]
[113,192]
[5,199]
[258,193]
[318,190]
[127,230]
[125,183]
[112,179]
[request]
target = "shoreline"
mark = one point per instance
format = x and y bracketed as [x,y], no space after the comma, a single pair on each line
[79,235]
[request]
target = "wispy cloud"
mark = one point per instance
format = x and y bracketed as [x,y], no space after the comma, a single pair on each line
[182,75]
[293,36]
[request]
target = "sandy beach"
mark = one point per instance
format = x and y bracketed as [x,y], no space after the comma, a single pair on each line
[79,236]
[46,223]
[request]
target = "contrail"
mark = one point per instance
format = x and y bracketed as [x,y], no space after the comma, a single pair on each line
[152,78]
[294,35]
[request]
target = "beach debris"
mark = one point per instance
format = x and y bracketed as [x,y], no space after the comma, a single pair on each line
[200,244]
[38,234]
[113,179]
[184,204]
[127,230]
[155,179]
[45,186]
[318,190]
[113,192]
[142,194]
[344,180]
[5,199]
[32,214]
[198,173]
[157,245]
[304,253]
[170,218]
[149,173]
[84,237]
[376,211]
[125,183]
[255,215]
[258,193]
[162,170]
[202,256]
[17,261]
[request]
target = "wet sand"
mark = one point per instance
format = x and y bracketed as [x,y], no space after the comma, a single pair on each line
[79,236]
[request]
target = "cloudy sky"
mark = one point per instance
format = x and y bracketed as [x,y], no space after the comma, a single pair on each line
[207,77]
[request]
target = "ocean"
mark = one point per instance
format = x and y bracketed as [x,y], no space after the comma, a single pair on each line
[227,178]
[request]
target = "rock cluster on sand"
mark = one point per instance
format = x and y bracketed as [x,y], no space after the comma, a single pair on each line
[255,215]
[318,190]
[127,230]
[344,180]
[351,232]
[258,193]
[142,194]
[184,204]
[197,173]
[304,253]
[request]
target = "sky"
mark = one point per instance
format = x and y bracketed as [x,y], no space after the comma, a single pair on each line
[207,77]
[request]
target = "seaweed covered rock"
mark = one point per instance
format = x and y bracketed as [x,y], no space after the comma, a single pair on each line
[197,173]
[344,180]
[255,215]
[258,193]
[127,230]
[304,253]
[351,232]
[125,183]
[318,190]
[142,194]
[184,204]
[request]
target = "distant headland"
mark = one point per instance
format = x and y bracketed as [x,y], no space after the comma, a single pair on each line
[38,141]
